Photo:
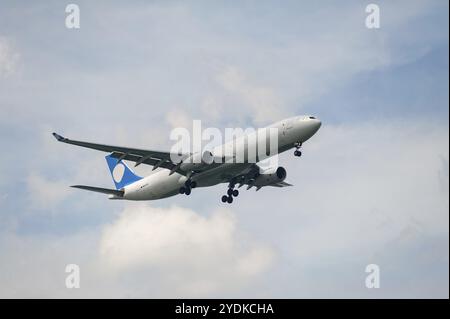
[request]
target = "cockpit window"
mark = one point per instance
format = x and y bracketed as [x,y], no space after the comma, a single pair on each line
[312,117]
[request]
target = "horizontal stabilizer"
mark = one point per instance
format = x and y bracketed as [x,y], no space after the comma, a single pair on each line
[115,192]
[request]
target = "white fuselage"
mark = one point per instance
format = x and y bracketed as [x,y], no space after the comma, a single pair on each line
[163,184]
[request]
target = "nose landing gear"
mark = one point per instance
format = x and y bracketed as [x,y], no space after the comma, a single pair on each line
[297,151]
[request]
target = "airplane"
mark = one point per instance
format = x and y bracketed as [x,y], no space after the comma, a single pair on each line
[199,169]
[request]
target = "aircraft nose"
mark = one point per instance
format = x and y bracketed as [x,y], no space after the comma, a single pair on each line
[317,124]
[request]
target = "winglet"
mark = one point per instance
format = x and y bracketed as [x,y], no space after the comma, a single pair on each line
[59,137]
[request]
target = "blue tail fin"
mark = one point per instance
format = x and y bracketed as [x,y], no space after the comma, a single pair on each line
[122,175]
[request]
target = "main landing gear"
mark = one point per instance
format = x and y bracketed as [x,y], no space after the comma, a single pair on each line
[297,151]
[231,192]
[188,186]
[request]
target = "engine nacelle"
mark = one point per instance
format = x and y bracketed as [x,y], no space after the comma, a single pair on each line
[197,161]
[271,176]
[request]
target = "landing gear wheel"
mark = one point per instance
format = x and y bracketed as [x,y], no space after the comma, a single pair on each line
[230,192]
[229,199]
[297,149]
[182,190]
[224,198]
[187,191]
[235,193]
[193,184]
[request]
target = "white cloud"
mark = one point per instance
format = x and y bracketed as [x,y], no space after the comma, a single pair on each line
[145,252]
[196,255]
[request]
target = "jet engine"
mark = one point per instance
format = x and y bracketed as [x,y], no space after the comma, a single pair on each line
[271,176]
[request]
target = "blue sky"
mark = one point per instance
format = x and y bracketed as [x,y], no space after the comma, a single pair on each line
[371,188]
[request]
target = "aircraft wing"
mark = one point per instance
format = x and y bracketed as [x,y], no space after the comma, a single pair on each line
[139,156]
